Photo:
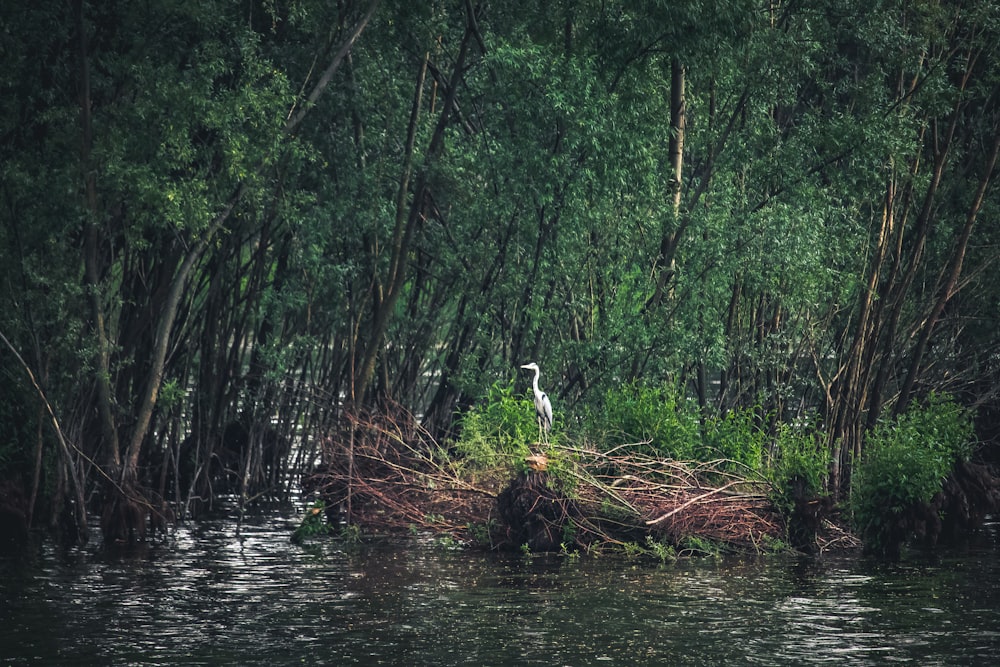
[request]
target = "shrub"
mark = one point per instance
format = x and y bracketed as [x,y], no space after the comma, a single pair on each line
[735,436]
[905,465]
[798,468]
[658,415]
[314,522]
[499,430]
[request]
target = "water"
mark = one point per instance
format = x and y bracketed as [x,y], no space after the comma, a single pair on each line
[213,596]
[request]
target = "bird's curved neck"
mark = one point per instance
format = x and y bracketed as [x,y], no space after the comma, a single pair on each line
[534,382]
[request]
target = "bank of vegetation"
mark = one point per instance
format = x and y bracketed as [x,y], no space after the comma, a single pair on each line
[650,475]
[235,238]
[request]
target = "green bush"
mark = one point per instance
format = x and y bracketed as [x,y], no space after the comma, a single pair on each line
[673,427]
[657,415]
[905,465]
[314,522]
[498,431]
[798,468]
[736,436]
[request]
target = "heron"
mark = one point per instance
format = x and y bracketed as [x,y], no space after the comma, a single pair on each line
[543,408]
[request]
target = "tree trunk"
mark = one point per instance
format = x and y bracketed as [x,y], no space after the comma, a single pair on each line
[91,240]
[673,229]
[923,223]
[951,280]
[408,218]
[126,511]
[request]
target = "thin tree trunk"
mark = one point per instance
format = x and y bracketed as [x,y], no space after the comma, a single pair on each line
[666,259]
[923,227]
[79,509]
[400,246]
[180,281]
[161,339]
[407,220]
[295,117]
[951,280]
[102,375]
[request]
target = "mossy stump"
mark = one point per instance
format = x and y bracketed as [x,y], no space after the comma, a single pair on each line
[535,514]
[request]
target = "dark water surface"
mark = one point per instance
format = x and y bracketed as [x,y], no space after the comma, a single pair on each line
[217,596]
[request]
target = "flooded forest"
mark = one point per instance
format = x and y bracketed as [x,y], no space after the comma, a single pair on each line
[283,249]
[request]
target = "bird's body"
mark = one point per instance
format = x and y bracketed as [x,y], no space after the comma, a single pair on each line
[543,407]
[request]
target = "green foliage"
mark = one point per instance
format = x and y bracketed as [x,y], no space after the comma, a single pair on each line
[313,523]
[799,466]
[171,395]
[481,534]
[905,465]
[701,547]
[498,431]
[662,551]
[542,221]
[569,551]
[673,426]
[447,543]
[736,436]
[657,415]
[561,468]
[651,548]
[351,534]
[569,533]
[632,549]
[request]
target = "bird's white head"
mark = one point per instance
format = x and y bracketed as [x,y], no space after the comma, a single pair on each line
[531,367]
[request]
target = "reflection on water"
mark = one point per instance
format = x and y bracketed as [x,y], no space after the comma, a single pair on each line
[215,596]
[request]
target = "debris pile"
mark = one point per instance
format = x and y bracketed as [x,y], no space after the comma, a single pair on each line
[385,473]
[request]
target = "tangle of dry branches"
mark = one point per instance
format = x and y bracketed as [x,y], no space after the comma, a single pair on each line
[385,473]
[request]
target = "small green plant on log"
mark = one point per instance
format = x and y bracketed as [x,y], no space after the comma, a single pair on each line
[906,464]
[313,523]
[663,552]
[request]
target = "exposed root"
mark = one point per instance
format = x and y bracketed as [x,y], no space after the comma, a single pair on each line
[131,515]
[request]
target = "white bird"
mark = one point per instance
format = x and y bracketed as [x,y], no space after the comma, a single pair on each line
[543,408]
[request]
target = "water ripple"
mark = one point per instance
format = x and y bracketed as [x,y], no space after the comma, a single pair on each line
[218,595]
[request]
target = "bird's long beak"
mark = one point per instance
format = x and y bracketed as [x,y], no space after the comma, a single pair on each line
[526,366]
